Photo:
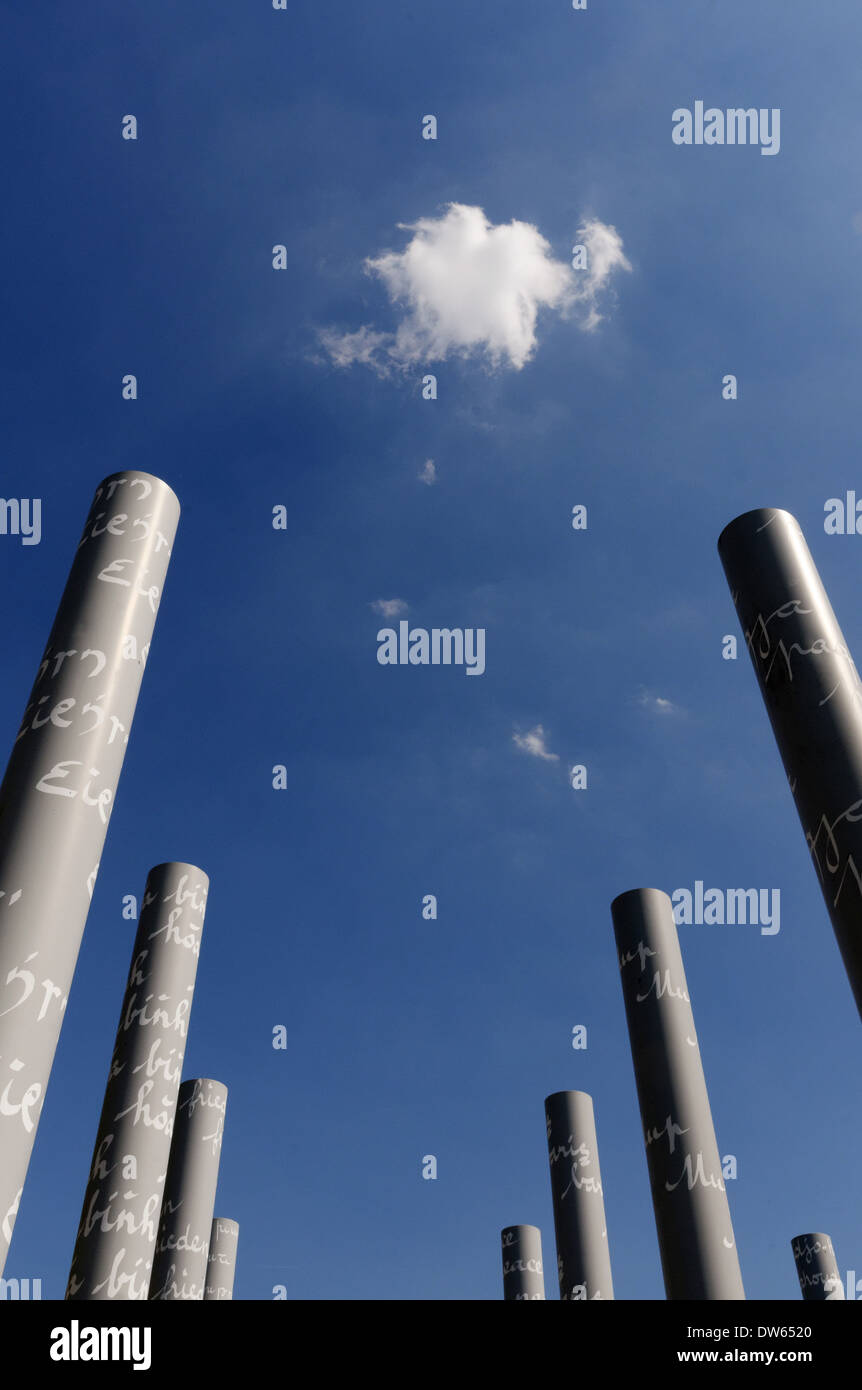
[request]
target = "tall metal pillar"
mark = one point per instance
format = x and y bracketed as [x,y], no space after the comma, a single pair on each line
[182,1246]
[583,1258]
[813,697]
[523,1276]
[221,1265]
[695,1235]
[119,1221]
[58,792]
[817,1268]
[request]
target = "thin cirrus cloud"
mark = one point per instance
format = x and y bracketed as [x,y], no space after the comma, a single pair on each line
[389,607]
[534,744]
[465,287]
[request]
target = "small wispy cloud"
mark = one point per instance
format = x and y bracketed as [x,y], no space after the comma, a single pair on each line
[534,744]
[389,607]
[604,247]
[467,287]
[429,473]
[657,704]
[361,347]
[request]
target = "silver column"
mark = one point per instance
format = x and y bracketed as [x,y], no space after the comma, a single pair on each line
[695,1235]
[813,697]
[58,792]
[117,1233]
[221,1266]
[182,1246]
[817,1268]
[583,1257]
[523,1276]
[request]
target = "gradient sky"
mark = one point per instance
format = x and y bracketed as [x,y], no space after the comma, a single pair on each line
[408,1037]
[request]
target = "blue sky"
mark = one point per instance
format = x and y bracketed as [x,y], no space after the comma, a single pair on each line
[408,1037]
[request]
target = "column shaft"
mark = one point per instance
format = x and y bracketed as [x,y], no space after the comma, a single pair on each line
[221,1264]
[817,1268]
[120,1217]
[813,697]
[695,1235]
[182,1246]
[583,1257]
[523,1276]
[58,791]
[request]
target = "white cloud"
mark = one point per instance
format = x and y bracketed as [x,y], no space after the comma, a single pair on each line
[429,473]
[389,607]
[347,348]
[604,255]
[467,287]
[534,744]
[658,704]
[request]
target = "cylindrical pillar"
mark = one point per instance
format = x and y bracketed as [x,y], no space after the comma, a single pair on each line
[813,697]
[221,1264]
[182,1246]
[583,1258]
[523,1276]
[695,1235]
[58,792]
[120,1217]
[817,1268]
